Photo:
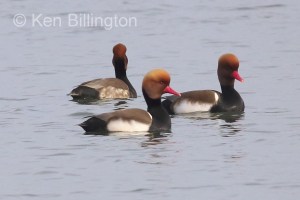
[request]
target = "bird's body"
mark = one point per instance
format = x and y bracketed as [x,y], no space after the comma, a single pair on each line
[156,118]
[108,88]
[229,100]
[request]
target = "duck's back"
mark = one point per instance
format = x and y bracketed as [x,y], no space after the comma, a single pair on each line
[108,88]
[192,101]
[127,120]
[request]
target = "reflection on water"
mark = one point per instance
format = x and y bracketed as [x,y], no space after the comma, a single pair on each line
[231,125]
[148,139]
[227,130]
[155,139]
[229,121]
[260,7]
[44,154]
[119,105]
[229,117]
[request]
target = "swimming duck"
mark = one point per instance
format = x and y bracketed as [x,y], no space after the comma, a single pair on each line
[109,88]
[210,100]
[155,119]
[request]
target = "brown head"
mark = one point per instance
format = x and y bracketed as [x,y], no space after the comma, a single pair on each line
[120,58]
[156,82]
[119,50]
[228,70]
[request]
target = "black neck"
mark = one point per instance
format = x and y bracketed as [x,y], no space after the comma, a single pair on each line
[232,98]
[160,118]
[120,67]
[227,88]
[151,102]
[120,72]
[131,88]
[229,92]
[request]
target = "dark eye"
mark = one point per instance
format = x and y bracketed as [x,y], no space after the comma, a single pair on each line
[161,82]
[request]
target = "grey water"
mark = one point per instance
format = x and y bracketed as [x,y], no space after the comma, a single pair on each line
[45,155]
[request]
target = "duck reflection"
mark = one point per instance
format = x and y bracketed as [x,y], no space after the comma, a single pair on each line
[155,139]
[229,117]
[118,104]
[152,138]
[147,139]
[121,105]
[229,122]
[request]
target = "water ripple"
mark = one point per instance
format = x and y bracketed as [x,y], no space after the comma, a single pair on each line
[260,7]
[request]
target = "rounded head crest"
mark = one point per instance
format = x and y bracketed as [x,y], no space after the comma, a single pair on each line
[119,50]
[229,60]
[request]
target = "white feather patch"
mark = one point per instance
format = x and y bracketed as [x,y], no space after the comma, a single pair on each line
[216,97]
[112,92]
[186,106]
[121,125]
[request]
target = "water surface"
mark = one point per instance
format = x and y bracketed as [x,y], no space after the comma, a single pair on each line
[45,155]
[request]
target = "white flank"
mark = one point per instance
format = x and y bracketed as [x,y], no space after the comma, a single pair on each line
[120,125]
[112,92]
[186,106]
[216,97]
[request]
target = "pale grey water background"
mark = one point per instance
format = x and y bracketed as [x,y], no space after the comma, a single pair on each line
[44,155]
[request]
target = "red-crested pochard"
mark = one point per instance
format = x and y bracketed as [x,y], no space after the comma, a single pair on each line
[109,88]
[155,119]
[210,100]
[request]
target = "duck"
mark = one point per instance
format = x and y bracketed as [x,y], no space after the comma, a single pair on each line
[229,100]
[109,88]
[155,119]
